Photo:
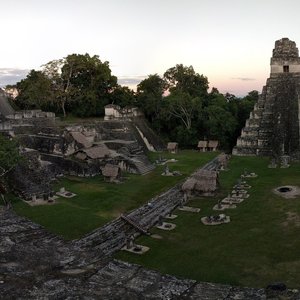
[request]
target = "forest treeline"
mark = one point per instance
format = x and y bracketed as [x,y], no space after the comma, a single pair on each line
[178,104]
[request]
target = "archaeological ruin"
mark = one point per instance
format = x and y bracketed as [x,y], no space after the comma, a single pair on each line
[273,126]
[120,140]
[36,264]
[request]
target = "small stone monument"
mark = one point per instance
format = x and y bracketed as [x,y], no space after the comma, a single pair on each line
[130,246]
[167,172]
[272,164]
[284,161]
[160,221]
[130,242]
[171,216]
[215,220]
[182,202]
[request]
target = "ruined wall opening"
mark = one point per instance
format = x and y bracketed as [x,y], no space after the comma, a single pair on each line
[286,69]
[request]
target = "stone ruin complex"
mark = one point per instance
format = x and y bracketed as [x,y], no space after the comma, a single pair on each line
[35,264]
[81,150]
[273,127]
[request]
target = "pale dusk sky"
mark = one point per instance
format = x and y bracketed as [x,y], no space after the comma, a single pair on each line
[229,41]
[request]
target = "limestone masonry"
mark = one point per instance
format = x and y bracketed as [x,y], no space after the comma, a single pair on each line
[273,126]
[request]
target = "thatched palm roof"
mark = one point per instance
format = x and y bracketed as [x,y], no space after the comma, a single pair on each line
[81,139]
[213,144]
[202,144]
[110,170]
[202,181]
[189,184]
[80,155]
[172,146]
[100,151]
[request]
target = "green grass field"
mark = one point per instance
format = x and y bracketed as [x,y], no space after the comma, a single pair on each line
[257,247]
[98,202]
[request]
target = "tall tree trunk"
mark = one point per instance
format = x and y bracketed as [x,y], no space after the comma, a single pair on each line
[63,108]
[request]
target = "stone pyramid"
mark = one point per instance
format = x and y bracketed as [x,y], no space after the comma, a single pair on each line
[273,126]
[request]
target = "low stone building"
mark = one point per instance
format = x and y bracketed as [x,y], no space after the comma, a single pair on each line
[113,111]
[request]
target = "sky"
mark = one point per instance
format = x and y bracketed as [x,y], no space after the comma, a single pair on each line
[228,41]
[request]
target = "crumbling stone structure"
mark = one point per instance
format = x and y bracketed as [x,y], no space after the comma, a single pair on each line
[35,264]
[80,150]
[273,126]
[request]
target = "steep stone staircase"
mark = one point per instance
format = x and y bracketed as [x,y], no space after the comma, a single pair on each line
[142,164]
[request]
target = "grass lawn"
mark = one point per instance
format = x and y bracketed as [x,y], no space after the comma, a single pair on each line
[98,202]
[257,247]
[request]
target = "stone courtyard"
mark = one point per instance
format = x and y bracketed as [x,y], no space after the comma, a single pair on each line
[35,264]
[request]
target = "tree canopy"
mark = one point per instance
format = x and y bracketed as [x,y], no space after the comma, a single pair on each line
[34,91]
[185,79]
[177,104]
[78,83]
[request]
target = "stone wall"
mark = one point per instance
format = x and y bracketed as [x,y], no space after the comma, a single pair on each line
[30,177]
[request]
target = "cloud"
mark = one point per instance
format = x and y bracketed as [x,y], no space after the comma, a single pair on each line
[130,80]
[243,78]
[11,75]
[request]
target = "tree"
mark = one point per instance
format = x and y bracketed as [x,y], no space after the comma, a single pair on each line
[183,106]
[61,88]
[34,91]
[92,80]
[150,96]
[81,82]
[185,79]
[123,96]
[220,124]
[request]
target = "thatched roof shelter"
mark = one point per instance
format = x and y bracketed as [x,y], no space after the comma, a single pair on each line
[203,182]
[100,151]
[212,145]
[189,184]
[80,155]
[206,181]
[81,139]
[202,144]
[172,147]
[111,172]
